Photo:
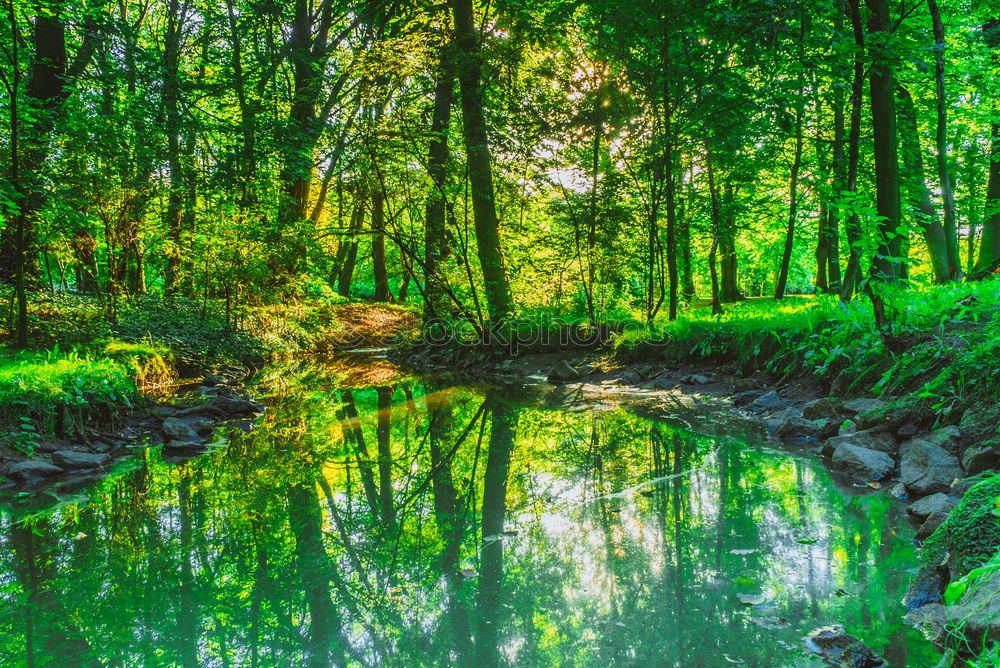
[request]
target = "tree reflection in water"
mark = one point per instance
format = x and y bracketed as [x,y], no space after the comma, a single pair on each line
[417,523]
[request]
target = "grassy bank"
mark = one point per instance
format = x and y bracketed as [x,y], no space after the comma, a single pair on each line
[91,359]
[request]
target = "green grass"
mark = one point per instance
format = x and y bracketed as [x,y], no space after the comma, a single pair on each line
[950,337]
[51,394]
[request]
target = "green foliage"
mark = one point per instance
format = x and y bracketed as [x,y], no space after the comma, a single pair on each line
[50,394]
[970,537]
[951,334]
[199,336]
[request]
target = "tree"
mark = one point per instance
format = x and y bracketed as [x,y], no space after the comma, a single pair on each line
[477,150]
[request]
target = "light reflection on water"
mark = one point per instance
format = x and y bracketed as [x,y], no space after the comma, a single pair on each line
[423,524]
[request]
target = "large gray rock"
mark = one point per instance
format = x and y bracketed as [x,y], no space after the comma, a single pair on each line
[841,649]
[862,405]
[744,398]
[869,438]
[176,429]
[236,406]
[767,401]
[32,469]
[796,427]
[562,372]
[926,468]
[977,612]
[930,525]
[819,409]
[72,460]
[935,503]
[949,438]
[981,457]
[861,463]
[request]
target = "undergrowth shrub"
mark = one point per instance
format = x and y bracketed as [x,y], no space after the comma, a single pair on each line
[50,394]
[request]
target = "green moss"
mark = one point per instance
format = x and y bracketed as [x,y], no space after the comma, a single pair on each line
[971,534]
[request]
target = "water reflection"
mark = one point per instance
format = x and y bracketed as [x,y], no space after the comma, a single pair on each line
[417,523]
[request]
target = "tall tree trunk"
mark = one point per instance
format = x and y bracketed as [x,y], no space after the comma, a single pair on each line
[325,646]
[351,245]
[728,270]
[714,196]
[170,98]
[989,246]
[793,202]
[918,191]
[435,226]
[307,59]
[20,284]
[887,265]
[383,431]
[944,173]
[669,172]
[503,428]
[477,148]
[379,268]
[839,184]
[852,274]
[974,217]
[684,248]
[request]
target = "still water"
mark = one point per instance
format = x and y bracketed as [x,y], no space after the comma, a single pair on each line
[374,519]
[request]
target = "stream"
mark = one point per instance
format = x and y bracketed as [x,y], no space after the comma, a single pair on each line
[373,518]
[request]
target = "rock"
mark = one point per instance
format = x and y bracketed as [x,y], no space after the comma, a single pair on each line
[977,612]
[32,469]
[848,427]
[935,503]
[898,491]
[72,460]
[644,371]
[176,429]
[907,431]
[101,446]
[184,445]
[856,406]
[927,586]
[838,648]
[748,385]
[746,397]
[562,372]
[926,468]
[796,427]
[982,457]
[202,426]
[767,401]
[237,406]
[869,438]
[949,438]
[698,379]
[827,428]
[930,525]
[930,619]
[819,409]
[861,463]
[164,410]
[211,380]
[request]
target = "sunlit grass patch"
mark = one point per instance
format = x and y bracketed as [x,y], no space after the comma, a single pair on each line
[51,394]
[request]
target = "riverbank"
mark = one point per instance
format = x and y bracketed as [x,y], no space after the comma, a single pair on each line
[101,383]
[911,409]
[918,423]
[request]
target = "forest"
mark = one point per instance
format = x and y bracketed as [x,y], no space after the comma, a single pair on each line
[590,159]
[412,332]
